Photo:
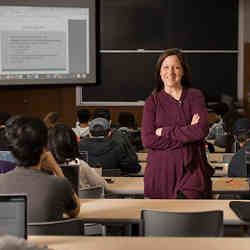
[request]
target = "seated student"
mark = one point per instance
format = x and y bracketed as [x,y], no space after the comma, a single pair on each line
[220,110]
[4,116]
[241,131]
[7,160]
[63,145]
[228,122]
[49,196]
[118,137]
[127,124]
[104,150]
[51,119]
[82,126]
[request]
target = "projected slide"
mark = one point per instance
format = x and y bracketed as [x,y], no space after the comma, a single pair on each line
[44,43]
[34,51]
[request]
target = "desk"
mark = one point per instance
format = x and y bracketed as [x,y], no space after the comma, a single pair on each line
[128,211]
[135,186]
[142,156]
[216,148]
[221,169]
[135,243]
[220,157]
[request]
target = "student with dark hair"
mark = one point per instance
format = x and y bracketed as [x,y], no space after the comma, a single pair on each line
[103,150]
[82,125]
[64,147]
[4,116]
[120,138]
[127,125]
[49,196]
[241,131]
[217,128]
[51,119]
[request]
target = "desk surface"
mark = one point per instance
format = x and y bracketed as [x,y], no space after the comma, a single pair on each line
[135,243]
[221,168]
[129,210]
[135,185]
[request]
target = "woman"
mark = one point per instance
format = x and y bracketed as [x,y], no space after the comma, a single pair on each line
[64,147]
[174,126]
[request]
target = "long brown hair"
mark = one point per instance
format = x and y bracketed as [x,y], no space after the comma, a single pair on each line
[186,79]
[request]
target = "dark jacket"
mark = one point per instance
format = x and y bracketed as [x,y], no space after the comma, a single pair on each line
[237,167]
[107,152]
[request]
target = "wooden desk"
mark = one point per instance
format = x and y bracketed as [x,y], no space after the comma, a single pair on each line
[128,211]
[219,157]
[135,186]
[216,148]
[142,156]
[135,243]
[221,169]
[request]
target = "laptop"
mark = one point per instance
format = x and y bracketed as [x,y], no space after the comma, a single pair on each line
[72,173]
[13,215]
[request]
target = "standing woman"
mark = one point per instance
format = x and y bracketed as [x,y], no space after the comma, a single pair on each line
[174,126]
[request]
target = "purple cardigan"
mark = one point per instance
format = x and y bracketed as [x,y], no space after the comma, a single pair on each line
[176,159]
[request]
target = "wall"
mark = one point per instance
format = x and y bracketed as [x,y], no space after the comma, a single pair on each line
[39,100]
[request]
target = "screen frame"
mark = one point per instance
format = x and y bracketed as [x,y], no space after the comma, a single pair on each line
[91,77]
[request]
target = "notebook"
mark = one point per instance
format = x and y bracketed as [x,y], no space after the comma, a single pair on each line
[72,173]
[13,215]
[241,209]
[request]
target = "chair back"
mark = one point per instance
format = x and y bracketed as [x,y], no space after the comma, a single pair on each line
[91,192]
[13,210]
[72,226]
[72,173]
[192,224]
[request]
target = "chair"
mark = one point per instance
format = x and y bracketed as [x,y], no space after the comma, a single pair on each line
[72,226]
[93,193]
[196,224]
[72,173]
[221,141]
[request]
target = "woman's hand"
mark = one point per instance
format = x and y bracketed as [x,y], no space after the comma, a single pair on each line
[195,119]
[158,131]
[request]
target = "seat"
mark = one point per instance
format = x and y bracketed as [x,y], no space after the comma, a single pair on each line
[72,226]
[72,173]
[93,193]
[221,141]
[192,224]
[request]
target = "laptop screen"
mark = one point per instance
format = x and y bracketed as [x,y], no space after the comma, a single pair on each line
[13,215]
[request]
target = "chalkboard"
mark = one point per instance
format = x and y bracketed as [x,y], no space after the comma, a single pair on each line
[161,24]
[132,78]
[132,35]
